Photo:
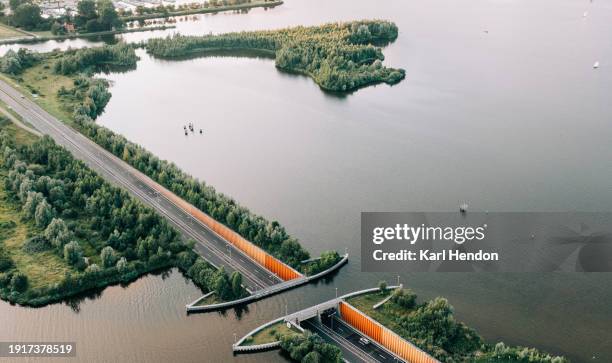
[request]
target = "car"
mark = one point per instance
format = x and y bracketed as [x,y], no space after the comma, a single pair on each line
[364,341]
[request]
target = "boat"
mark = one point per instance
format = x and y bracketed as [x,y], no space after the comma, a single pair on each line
[596,65]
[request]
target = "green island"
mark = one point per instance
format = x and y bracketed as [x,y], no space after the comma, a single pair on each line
[300,346]
[339,57]
[64,84]
[64,230]
[432,327]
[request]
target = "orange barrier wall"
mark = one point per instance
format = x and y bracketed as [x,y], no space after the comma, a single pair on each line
[383,335]
[282,270]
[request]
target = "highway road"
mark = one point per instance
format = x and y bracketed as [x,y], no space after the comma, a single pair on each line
[209,245]
[347,339]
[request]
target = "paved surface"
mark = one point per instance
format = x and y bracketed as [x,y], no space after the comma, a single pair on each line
[347,339]
[209,245]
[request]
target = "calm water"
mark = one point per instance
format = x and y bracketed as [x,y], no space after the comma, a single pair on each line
[514,119]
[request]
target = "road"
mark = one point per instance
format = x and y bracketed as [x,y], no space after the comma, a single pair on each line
[347,339]
[209,245]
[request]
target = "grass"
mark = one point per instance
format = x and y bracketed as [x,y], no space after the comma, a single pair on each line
[21,137]
[41,80]
[42,269]
[7,32]
[387,314]
[209,300]
[270,334]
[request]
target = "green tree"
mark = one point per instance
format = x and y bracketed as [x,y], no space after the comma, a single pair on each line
[86,10]
[108,256]
[73,253]
[236,279]
[19,282]
[312,357]
[14,4]
[107,15]
[57,233]
[382,286]
[27,16]
[43,214]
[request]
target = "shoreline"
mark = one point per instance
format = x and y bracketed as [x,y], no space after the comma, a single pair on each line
[259,4]
[37,39]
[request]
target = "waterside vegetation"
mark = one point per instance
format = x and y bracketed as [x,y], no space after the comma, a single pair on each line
[65,230]
[432,327]
[338,57]
[64,84]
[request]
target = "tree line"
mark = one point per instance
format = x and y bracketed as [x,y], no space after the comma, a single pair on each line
[432,327]
[74,210]
[91,16]
[338,56]
[90,95]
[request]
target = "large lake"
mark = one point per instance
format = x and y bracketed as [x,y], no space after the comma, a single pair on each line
[500,107]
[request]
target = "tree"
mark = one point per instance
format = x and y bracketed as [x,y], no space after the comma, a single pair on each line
[14,4]
[108,256]
[122,264]
[57,233]
[57,28]
[312,357]
[19,282]
[236,279]
[43,214]
[107,15]
[86,10]
[404,298]
[32,201]
[382,286]
[73,253]
[27,16]
[93,268]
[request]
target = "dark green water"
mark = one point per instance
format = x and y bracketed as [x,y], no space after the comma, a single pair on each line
[514,119]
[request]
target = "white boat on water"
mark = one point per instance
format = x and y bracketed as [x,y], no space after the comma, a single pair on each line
[596,65]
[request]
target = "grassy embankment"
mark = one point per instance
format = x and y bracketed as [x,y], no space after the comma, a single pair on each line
[432,327]
[8,32]
[202,9]
[270,334]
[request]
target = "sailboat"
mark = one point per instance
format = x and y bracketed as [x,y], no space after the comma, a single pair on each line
[596,65]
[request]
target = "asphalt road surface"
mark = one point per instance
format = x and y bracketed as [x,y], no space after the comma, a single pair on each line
[347,340]
[209,245]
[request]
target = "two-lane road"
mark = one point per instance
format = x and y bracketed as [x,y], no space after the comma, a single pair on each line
[209,245]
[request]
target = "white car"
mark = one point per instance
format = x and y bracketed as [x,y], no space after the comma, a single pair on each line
[364,341]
